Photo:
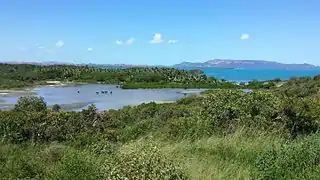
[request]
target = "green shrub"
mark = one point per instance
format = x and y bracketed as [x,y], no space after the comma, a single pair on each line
[191,128]
[30,103]
[78,165]
[53,153]
[229,110]
[56,108]
[18,162]
[301,115]
[145,162]
[295,160]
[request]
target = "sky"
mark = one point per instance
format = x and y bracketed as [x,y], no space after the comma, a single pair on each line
[162,32]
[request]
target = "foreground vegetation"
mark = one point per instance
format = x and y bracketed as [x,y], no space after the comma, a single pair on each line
[23,75]
[223,134]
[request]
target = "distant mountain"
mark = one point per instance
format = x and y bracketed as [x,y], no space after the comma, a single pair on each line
[245,64]
[47,63]
[114,65]
[215,63]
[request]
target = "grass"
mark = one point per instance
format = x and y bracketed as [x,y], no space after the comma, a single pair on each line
[238,156]
[234,156]
[221,157]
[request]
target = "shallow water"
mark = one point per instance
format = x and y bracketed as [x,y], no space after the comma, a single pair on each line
[70,99]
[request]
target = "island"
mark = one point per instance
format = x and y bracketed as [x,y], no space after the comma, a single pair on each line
[244,64]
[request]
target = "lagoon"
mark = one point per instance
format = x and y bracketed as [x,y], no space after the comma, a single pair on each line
[69,98]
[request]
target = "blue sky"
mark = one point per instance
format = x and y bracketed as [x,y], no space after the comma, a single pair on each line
[159,32]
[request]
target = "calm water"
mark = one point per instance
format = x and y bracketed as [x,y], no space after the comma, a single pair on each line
[244,75]
[71,100]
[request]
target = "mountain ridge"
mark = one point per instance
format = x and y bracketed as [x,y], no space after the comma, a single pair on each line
[244,64]
[214,63]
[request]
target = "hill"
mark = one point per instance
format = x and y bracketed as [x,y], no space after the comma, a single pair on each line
[245,64]
[215,63]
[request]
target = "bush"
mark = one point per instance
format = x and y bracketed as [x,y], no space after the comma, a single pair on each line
[53,154]
[30,103]
[56,108]
[295,160]
[228,110]
[18,162]
[78,165]
[301,116]
[145,162]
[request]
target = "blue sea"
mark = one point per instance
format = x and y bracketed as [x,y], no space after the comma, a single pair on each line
[245,75]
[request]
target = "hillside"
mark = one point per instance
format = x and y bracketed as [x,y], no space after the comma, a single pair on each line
[221,134]
[224,134]
[245,64]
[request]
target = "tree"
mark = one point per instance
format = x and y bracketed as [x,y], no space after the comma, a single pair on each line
[30,103]
[56,108]
[317,77]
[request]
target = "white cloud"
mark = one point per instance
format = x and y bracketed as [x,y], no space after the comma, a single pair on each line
[119,42]
[59,43]
[130,41]
[157,38]
[173,41]
[244,36]
[90,49]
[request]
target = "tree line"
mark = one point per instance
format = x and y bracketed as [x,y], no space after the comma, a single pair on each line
[23,75]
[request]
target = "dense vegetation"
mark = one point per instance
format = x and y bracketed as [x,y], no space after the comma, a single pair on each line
[22,75]
[301,87]
[222,134]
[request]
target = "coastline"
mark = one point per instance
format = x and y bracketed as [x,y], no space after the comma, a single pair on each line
[50,84]
[29,91]
[7,94]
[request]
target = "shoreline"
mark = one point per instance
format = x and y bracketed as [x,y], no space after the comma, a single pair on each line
[30,88]
[6,94]
[71,84]
[142,85]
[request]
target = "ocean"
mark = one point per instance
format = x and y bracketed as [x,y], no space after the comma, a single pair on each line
[245,75]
